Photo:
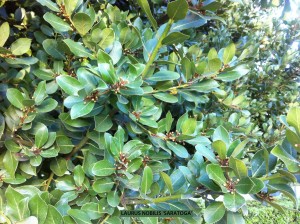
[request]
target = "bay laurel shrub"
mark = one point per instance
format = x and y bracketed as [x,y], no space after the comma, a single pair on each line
[104,109]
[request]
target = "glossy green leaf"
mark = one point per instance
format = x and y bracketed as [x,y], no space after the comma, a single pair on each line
[15,97]
[81,109]
[249,185]
[239,149]
[82,22]
[51,47]
[77,49]
[38,207]
[53,216]
[206,152]
[291,163]
[103,123]
[175,38]
[235,218]
[69,84]
[164,75]
[113,198]
[216,173]
[17,205]
[58,166]
[233,202]
[40,93]
[49,4]
[10,163]
[146,9]
[166,97]
[41,135]
[103,168]
[79,175]
[56,22]
[147,180]
[204,86]
[103,185]
[177,10]
[221,133]
[214,212]
[178,149]
[107,37]
[79,216]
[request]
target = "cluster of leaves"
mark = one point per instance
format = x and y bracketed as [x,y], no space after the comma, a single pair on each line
[104,110]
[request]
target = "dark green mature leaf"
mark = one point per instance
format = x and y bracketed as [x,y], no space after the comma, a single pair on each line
[10,163]
[4,33]
[58,166]
[103,185]
[175,38]
[234,202]
[205,86]
[17,205]
[214,212]
[52,48]
[41,135]
[79,175]
[53,216]
[147,180]
[79,216]
[113,198]
[82,108]
[216,173]
[103,168]
[178,149]
[177,10]
[15,97]
[164,75]
[284,189]
[56,22]
[221,133]
[249,185]
[146,9]
[38,207]
[69,84]
[166,97]
[77,49]
[82,22]
[192,20]
[291,163]
[235,218]
[206,152]
[40,93]
[49,4]
[103,123]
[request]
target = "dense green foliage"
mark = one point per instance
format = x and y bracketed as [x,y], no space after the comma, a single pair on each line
[104,109]
[266,214]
